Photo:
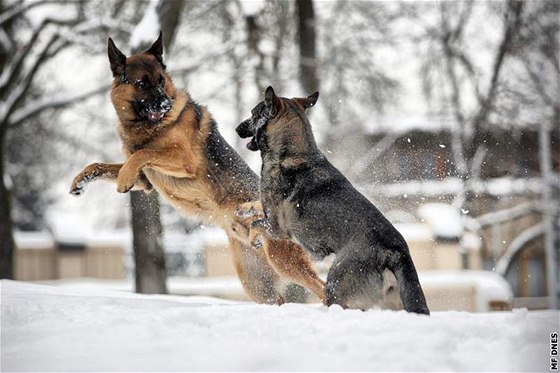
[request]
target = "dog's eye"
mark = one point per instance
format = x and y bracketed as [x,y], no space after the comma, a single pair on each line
[142,83]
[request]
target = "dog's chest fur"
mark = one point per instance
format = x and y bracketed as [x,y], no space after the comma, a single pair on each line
[280,186]
[223,180]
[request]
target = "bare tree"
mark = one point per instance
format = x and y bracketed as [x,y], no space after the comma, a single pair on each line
[537,50]
[308,71]
[21,61]
[449,53]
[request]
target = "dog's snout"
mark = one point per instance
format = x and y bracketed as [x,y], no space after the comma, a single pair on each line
[244,129]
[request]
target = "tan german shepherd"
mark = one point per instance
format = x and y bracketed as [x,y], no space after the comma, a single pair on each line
[173,144]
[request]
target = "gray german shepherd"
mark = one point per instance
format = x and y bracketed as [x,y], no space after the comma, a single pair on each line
[306,199]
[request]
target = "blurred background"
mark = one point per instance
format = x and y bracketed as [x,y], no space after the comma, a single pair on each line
[446,115]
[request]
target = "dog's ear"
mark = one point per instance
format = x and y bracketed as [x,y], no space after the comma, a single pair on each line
[116,58]
[271,101]
[156,49]
[309,101]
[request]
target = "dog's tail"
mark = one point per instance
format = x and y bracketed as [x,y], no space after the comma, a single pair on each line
[410,290]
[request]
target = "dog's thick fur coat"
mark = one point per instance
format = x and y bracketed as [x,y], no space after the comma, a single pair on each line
[306,199]
[172,144]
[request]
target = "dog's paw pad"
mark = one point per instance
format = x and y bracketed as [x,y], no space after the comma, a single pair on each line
[124,188]
[78,189]
[76,192]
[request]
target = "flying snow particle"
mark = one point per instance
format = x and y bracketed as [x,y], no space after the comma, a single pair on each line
[441,146]
[465,212]
[408,139]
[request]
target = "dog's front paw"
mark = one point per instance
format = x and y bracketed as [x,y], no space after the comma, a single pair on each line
[125,182]
[81,180]
[124,187]
[78,187]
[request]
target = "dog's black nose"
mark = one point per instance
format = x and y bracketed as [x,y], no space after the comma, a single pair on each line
[165,104]
[244,129]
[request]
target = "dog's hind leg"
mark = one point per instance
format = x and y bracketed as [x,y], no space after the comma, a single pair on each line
[290,261]
[355,283]
[258,278]
[412,296]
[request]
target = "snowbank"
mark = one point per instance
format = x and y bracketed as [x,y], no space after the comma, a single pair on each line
[52,329]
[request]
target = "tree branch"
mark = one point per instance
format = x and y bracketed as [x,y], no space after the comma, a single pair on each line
[17,95]
[514,9]
[10,74]
[16,10]
[27,112]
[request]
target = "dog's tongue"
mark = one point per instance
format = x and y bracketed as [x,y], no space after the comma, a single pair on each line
[154,116]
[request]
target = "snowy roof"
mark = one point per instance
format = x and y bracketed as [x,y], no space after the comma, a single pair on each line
[68,228]
[33,240]
[489,286]
[444,220]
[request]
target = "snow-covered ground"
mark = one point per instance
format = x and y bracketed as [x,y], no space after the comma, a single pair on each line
[47,328]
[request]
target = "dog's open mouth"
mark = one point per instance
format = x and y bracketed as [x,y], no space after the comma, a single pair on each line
[253,144]
[244,131]
[155,116]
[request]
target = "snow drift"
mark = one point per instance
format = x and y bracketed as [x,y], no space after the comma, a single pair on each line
[54,329]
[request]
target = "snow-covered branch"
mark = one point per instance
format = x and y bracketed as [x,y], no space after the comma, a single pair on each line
[11,72]
[16,95]
[18,76]
[452,186]
[520,241]
[53,103]
[20,8]
[497,217]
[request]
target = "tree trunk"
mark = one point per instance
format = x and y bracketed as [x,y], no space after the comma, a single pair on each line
[308,76]
[7,244]
[169,13]
[551,207]
[149,254]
